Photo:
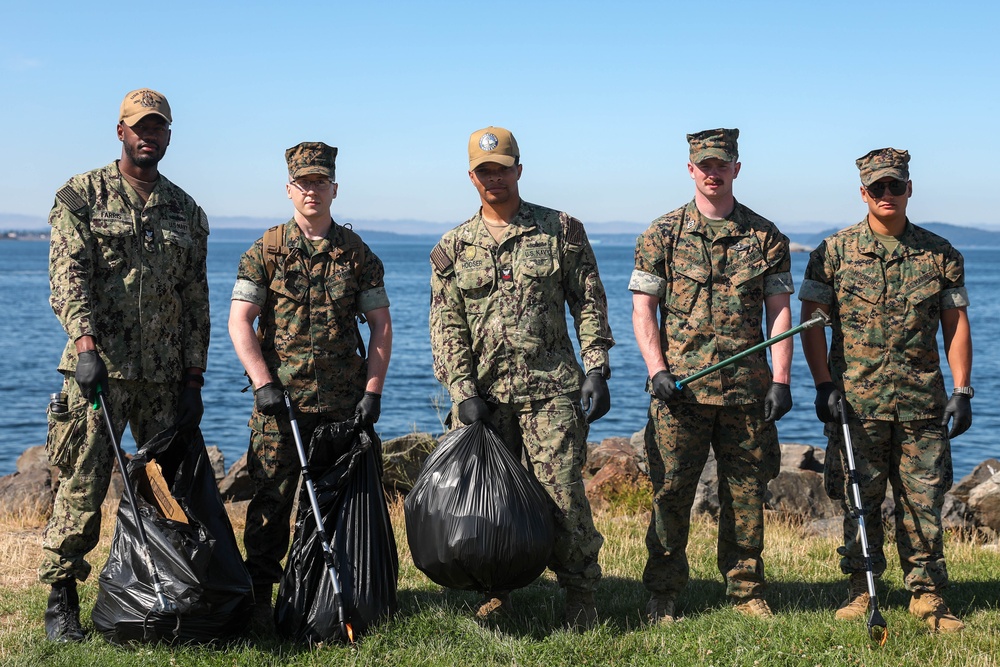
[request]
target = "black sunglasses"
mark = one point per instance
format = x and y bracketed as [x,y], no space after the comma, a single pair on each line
[896,188]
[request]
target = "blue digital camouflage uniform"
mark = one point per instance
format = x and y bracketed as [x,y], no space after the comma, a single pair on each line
[711,293]
[133,276]
[499,331]
[886,312]
[311,342]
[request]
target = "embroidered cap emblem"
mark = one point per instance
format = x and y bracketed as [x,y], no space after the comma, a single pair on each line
[489,141]
[147,100]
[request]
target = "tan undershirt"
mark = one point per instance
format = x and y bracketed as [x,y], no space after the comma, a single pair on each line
[890,242]
[142,188]
[496,230]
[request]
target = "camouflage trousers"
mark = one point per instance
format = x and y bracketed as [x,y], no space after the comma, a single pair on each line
[274,468]
[552,434]
[78,445]
[677,438]
[915,459]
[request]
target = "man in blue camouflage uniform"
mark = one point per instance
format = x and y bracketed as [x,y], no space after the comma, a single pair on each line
[500,284]
[888,287]
[710,270]
[308,289]
[128,281]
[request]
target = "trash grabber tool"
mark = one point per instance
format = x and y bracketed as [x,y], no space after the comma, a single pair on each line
[876,624]
[818,318]
[331,567]
[163,605]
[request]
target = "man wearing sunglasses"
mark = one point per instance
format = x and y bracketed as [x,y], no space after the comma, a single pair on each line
[718,276]
[888,287]
[308,283]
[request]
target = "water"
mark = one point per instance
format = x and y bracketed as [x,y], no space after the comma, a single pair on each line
[32,340]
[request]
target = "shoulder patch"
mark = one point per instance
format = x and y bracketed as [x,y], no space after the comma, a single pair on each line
[440,259]
[71,199]
[574,232]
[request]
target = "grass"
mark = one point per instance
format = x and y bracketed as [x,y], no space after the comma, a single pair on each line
[435,626]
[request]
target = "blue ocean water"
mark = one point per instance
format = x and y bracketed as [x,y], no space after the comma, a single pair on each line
[31,341]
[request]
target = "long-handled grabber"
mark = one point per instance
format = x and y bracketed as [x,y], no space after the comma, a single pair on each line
[163,605]
[331,568]
[876,624]
[818,318]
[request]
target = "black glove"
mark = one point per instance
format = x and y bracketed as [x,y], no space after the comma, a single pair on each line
[594,395]
[472,410]
[828,402]
[959,407]
[664,386]
[189,408]
[91,372]
[270,398]
[777,402]
[369,408]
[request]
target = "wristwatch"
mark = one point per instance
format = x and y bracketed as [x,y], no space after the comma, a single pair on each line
[964,391]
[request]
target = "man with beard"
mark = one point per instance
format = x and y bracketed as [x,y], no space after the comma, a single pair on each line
[711,269]
[128,284]
[500,285]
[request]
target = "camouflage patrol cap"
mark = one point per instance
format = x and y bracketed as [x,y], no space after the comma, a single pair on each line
[493,144]
[883,162]
[719,143]
[311,157]
[142,102]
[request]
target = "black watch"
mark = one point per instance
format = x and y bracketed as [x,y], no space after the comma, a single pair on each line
[968,392]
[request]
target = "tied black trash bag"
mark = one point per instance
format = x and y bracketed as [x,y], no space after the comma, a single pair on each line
[476,519]
[345,463]
[195,553]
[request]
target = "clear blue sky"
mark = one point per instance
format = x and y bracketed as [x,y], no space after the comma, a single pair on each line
[598,94]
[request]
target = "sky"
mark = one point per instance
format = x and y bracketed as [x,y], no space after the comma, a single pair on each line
[599,95]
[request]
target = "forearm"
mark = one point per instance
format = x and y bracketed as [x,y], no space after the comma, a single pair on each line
[779,320]
[647,332]
[247,347]
[814,344]
[958,345]
[379,348]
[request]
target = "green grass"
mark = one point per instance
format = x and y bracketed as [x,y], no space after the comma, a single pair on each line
[436,627]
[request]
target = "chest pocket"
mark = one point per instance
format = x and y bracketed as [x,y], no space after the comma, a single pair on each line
[176,231]
[476,278]
[113,230]
[864,286]
[539,260]
[291,281]
[341,284]
[923,288]
[689,275]
[746,265]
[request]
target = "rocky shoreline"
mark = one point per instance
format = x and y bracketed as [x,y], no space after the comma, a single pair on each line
[615,467]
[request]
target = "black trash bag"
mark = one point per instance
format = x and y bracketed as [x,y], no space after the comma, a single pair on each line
[195,554]
[345,463]
[476,519]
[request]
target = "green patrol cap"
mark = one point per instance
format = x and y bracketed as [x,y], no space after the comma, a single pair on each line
[883,162]
[719,143]
[311,157]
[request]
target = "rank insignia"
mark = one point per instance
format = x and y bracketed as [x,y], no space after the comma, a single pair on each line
[506,274]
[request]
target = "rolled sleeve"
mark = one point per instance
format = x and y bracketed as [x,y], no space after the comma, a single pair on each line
[246,290]
[779,283]
[954,298]
[371,299]
[816,292]
[647,283]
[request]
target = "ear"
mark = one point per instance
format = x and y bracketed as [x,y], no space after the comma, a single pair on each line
[864,194]
[288,190]
[120,130]
[690,170]
[336,186]
[736,169]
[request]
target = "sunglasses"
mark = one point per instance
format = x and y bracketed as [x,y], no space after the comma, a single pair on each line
[896,188]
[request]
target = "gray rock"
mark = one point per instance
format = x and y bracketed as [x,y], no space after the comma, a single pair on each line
[218,461]
[984,502]
[979,474]
[237,485]
[800,493]
[403,458]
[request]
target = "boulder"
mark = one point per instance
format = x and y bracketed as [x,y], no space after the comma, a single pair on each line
[620,476]
[800,493]
[800,457]
[984,502]
[979,474]
[27,493]
[610,449]
[403,458]
[218,461]
[237,485]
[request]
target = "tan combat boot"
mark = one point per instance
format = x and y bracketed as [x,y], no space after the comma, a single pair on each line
[581,611]
[858,599]
[660,610]
[755,607]
[930,608]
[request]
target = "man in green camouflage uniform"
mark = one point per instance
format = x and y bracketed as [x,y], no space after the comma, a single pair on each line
[500,284]
[128,281]
[309,292]
[710,270]
[888,286]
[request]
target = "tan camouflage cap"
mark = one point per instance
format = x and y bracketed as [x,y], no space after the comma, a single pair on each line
[719,143]
[311,157]
[493,144]
[140,103]
[883,162]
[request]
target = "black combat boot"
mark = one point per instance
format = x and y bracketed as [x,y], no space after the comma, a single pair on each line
[62,618]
